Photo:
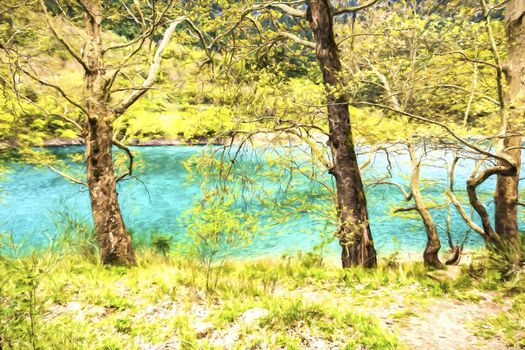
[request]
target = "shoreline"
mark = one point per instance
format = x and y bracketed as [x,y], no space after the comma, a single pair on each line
[258,140]
[60,142]
[333,259]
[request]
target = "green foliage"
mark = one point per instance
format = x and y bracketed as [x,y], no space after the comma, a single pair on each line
[286,314]
[419,61]
[247,83]
[21,317]
[75,235]
[509,325]
[154,118]
[161,243]
[215,229]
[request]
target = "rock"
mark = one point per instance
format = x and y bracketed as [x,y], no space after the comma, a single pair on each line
[73,306]
[321,344]
[153,313]
[203,329]
[252,316]
[225,338]
[172,344]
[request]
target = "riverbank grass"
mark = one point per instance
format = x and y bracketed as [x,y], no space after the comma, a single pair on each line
[69,301]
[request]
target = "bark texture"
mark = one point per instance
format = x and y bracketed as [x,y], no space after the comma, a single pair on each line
[507,187]
[354,231]
[113,238]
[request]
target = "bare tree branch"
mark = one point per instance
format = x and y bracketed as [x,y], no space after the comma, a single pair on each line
[152,73]
[464,214]
[500,156]
[498,66]
[406,194]
[66,176]
[297,39]
[355,8]
[61,39]
[472,183]
[130,157]
[399,210]
[56,87]
[145,34]
[202,37]
[467,58]
[453,199]
[287,9]
[471,95]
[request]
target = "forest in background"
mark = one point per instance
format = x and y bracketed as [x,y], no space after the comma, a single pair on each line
[317,83]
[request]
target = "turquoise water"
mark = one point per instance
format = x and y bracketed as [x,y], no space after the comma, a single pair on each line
[30,198]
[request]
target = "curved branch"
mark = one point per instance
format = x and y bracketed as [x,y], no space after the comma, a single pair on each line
[453,199]
[464,214]
[399,210]
[61,39]
[297,39]
[287,9]
[130,157]
[406,194]
[152,73]
[56,87]
[499,156]
[316,152]
[355,8]
[66,176]
[456,256]
[371,153]
[469,59]
[201,35]
[472,183]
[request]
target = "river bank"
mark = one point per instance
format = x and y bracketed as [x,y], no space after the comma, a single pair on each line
[261,139]
[171,303]
[62,142]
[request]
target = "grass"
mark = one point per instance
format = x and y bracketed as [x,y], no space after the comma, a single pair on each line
[69,301]
[507,325]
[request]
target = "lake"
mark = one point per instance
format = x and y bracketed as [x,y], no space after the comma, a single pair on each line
[30,198]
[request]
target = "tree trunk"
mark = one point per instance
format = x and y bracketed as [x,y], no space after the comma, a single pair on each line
[507,193]
[113,238]
[354,231]
[506,208]
[430,256]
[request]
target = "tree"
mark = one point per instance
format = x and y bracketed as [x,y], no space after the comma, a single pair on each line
[481,99]
[275,22]
[354,231]
[503,238]
[102,67]
[410,51]
[507,188]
